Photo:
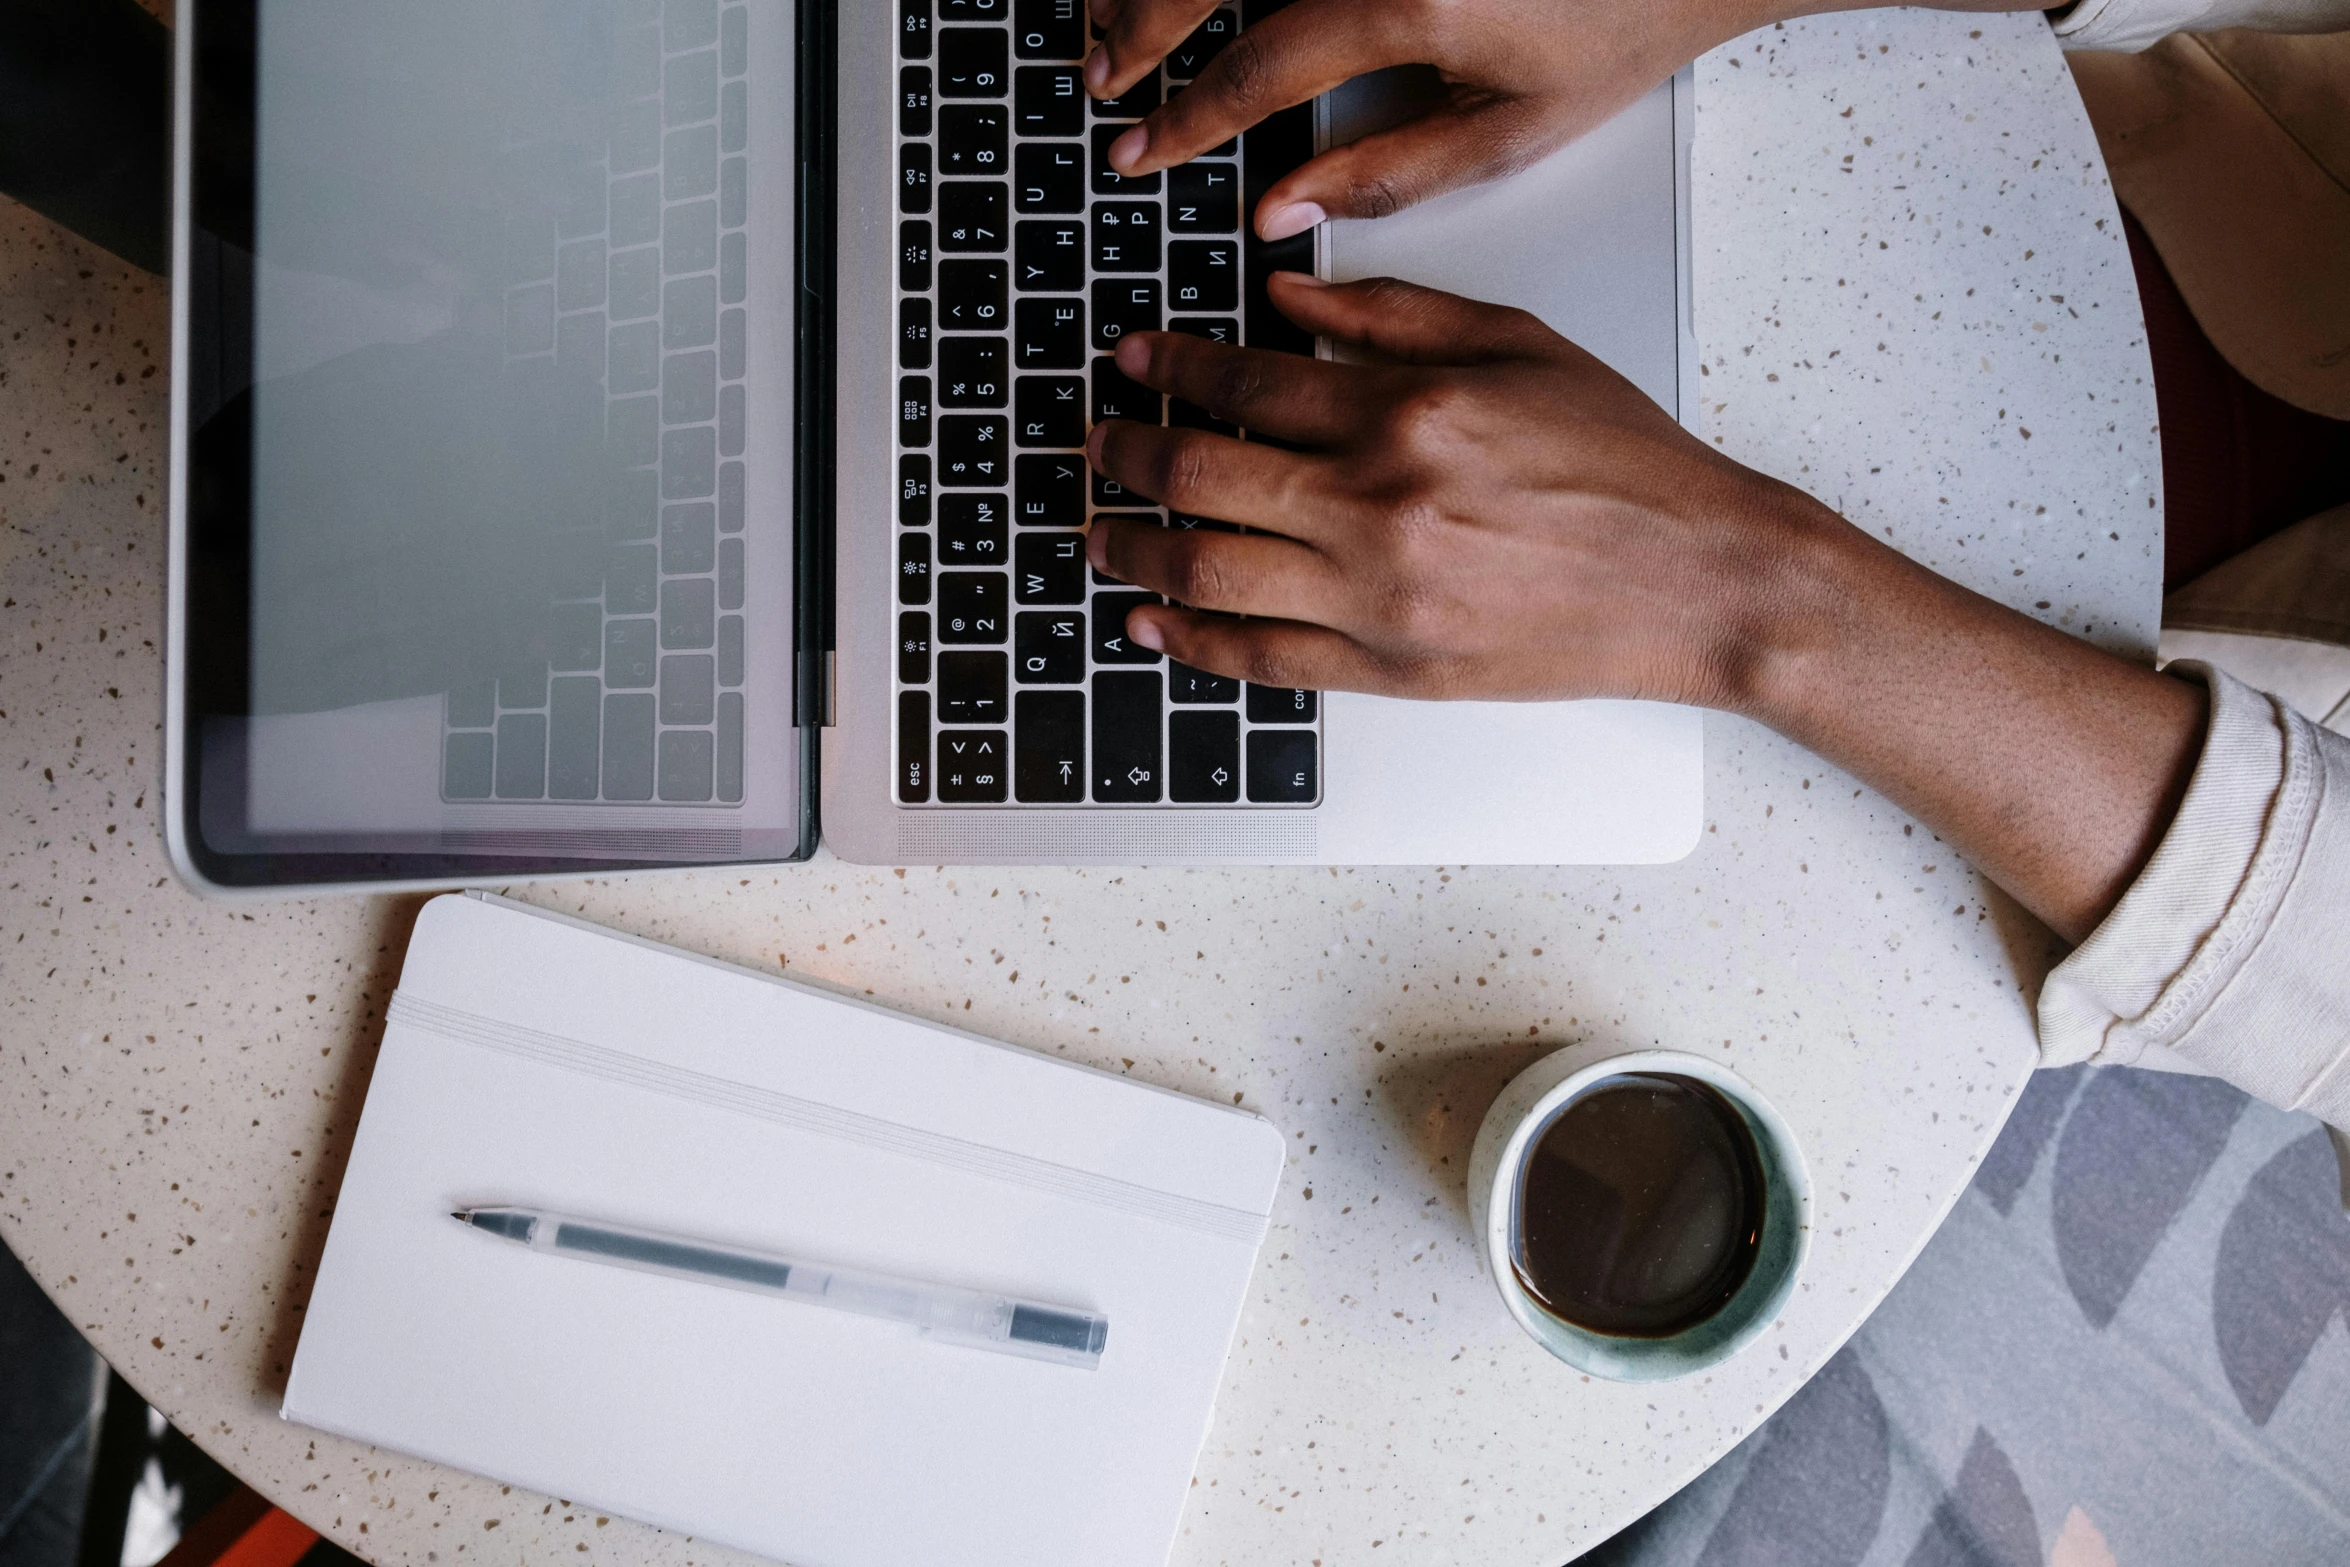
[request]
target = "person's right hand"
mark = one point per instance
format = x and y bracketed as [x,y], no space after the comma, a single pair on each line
[1522,78]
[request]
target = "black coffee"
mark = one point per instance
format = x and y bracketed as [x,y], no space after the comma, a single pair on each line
[1641,1209]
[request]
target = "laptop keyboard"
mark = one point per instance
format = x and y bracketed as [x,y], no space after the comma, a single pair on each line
[1022,258]
[631,276]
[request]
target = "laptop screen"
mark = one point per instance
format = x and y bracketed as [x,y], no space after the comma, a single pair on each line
[491,439]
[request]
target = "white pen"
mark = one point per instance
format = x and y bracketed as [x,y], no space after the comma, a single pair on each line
[943,1311]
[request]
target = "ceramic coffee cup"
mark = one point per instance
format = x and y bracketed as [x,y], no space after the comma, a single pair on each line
[1497,1161]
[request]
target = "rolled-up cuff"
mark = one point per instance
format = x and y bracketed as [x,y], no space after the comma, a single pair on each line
[2130,25]
[2230,952]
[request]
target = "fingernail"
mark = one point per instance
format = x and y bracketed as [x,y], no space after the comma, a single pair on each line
[1302,279]
[1133,355]
[1145,633]
[1128,149]
[1097,549]
[1295,218]
[1097,69]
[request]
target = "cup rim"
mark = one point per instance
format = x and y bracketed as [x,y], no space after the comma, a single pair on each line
[1625,1359]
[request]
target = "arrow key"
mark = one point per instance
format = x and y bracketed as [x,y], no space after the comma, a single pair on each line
[1203,758]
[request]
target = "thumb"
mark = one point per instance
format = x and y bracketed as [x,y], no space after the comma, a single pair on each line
[1408,324]
[1459,144]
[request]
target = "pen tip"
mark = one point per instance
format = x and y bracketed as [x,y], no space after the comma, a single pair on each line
[461,1215]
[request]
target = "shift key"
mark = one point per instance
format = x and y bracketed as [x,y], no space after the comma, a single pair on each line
[1127,759]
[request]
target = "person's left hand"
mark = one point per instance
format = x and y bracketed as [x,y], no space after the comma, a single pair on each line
[1491,512]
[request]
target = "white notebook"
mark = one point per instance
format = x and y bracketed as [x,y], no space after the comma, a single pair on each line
[537,1061]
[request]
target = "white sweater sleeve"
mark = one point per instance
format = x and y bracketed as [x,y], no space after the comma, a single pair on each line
[2131,25]
[2231,951]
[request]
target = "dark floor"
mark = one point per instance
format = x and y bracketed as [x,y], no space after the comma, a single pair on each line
[90,1476]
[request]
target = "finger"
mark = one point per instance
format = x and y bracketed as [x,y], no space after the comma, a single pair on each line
[1208,475]
[1237,573]
[1301,50]
[1459,144]
[1411,324]
[1278,653]
[1136,36]
[1288,395]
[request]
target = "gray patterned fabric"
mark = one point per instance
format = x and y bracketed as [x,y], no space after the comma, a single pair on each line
[2129,1346]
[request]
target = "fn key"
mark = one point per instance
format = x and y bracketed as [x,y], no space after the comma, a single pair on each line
[1281,768]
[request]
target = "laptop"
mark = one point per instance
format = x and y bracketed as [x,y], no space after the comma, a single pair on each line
[625,433]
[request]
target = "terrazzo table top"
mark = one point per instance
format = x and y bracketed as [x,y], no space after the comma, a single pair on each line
[1914,301]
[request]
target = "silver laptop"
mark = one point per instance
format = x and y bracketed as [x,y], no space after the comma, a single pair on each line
[607,430]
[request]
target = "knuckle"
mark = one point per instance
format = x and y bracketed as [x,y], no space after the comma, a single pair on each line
[1248,66]
[1196,576]
[1425,419]
[1375,192]
[1181,470]
[1235,384]
[1268,664]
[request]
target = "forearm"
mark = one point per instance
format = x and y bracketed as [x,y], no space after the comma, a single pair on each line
[2054,767]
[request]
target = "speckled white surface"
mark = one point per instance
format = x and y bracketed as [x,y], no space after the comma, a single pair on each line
[179,1080]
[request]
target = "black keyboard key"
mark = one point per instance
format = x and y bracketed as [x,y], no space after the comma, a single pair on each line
[914,177]
[1203,758]
[913,648]
[973,451]
[1279,705]
[974,215]
[913,334]
[1123,305]
[1110,642]
[973,372]
[914,490]
[1108,492]
[1048,649]
[1048,257]
[1048,334]
[1126,760]
[913,410]
[914,29]
[1049,568]
[914,256]
[972,530]
[914,101]
[913,570]
[1133,103]
[1281,766]
[1048,29]
[1049,176]
[1117,395]
[1049,410]
[1276,144]
[1188,523]
[973,766]
[1048,747]
[972,140]
[1108,181]
[971,688]
[913,747]
[1203,274]
[1216,329]
[973,10]
[973,62]
[1190,416]
[1047,100]
[1125,236]
[972,296]
[1193,54]
[1203,198]
[972,607]
[1049,492]
[1196,687]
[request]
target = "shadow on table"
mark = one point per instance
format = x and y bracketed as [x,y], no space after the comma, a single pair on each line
[395,919]
[1435,1099]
